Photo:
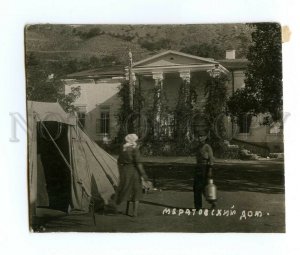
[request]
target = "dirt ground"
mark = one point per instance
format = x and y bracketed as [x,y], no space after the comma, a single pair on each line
[254,190]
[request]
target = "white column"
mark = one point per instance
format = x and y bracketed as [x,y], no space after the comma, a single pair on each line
[186,77]
[158,86]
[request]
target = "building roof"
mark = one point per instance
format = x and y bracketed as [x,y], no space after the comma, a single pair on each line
[157,57]
[119,70]
[174,61]
[234,64]
[103,72]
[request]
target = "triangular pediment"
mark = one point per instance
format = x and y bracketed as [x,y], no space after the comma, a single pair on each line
[172,58]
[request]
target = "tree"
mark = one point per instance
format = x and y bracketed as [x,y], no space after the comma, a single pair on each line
[44,83]
[242,106]
[264,73]
[130,119]
[263,77]
[215,91]
[204,50]
[151,44]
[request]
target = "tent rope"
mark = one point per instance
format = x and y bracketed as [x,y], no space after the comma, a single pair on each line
[86,161]
[87,166]
[66,161]
[83,190]
[57,147]
[81,147]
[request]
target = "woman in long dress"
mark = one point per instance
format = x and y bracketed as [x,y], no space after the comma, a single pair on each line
[131,174]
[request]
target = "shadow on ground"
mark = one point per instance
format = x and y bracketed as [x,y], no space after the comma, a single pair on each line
[266,177]
[247,186]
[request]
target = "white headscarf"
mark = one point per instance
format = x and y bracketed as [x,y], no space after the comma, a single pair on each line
[130,141]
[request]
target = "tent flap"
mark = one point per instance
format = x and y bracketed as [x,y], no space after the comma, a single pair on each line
[100,173]
[50,112]
[93,174]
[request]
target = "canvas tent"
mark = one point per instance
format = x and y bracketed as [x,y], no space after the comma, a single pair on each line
[66,168]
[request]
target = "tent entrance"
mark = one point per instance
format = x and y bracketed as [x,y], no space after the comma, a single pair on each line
[54,176]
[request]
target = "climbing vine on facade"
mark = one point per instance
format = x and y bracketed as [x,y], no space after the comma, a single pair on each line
[214,112]
[129,118]
[184,112]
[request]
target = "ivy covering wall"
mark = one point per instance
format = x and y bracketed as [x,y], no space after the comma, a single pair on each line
[215,110]
[185,137]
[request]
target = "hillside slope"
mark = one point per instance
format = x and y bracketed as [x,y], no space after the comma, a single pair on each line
[81,42]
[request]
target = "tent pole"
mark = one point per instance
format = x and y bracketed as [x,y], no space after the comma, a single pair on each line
[57,147]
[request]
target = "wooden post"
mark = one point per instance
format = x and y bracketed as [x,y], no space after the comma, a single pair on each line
[130,81]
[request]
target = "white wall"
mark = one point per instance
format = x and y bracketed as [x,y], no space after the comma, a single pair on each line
[94,95]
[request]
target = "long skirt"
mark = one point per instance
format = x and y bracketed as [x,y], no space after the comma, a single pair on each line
[130,186]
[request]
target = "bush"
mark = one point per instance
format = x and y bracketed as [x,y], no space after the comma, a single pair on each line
[151,45]
[242,105]
[91,33]
[204,50]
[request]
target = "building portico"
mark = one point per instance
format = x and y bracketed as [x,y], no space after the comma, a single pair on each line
[170,79]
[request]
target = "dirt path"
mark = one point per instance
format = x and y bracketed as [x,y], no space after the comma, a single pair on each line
[254,190]
[154,217]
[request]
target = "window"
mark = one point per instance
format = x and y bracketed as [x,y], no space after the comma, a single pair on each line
[103,124]
[81,119]
[81,116]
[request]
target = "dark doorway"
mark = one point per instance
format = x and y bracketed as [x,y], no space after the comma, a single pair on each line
[57,173]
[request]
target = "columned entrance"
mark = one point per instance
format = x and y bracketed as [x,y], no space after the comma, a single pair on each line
[172,84]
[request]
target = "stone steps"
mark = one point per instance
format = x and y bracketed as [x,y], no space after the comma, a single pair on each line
[244,153]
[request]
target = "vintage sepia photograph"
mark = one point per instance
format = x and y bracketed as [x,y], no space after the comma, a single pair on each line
[155,128]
